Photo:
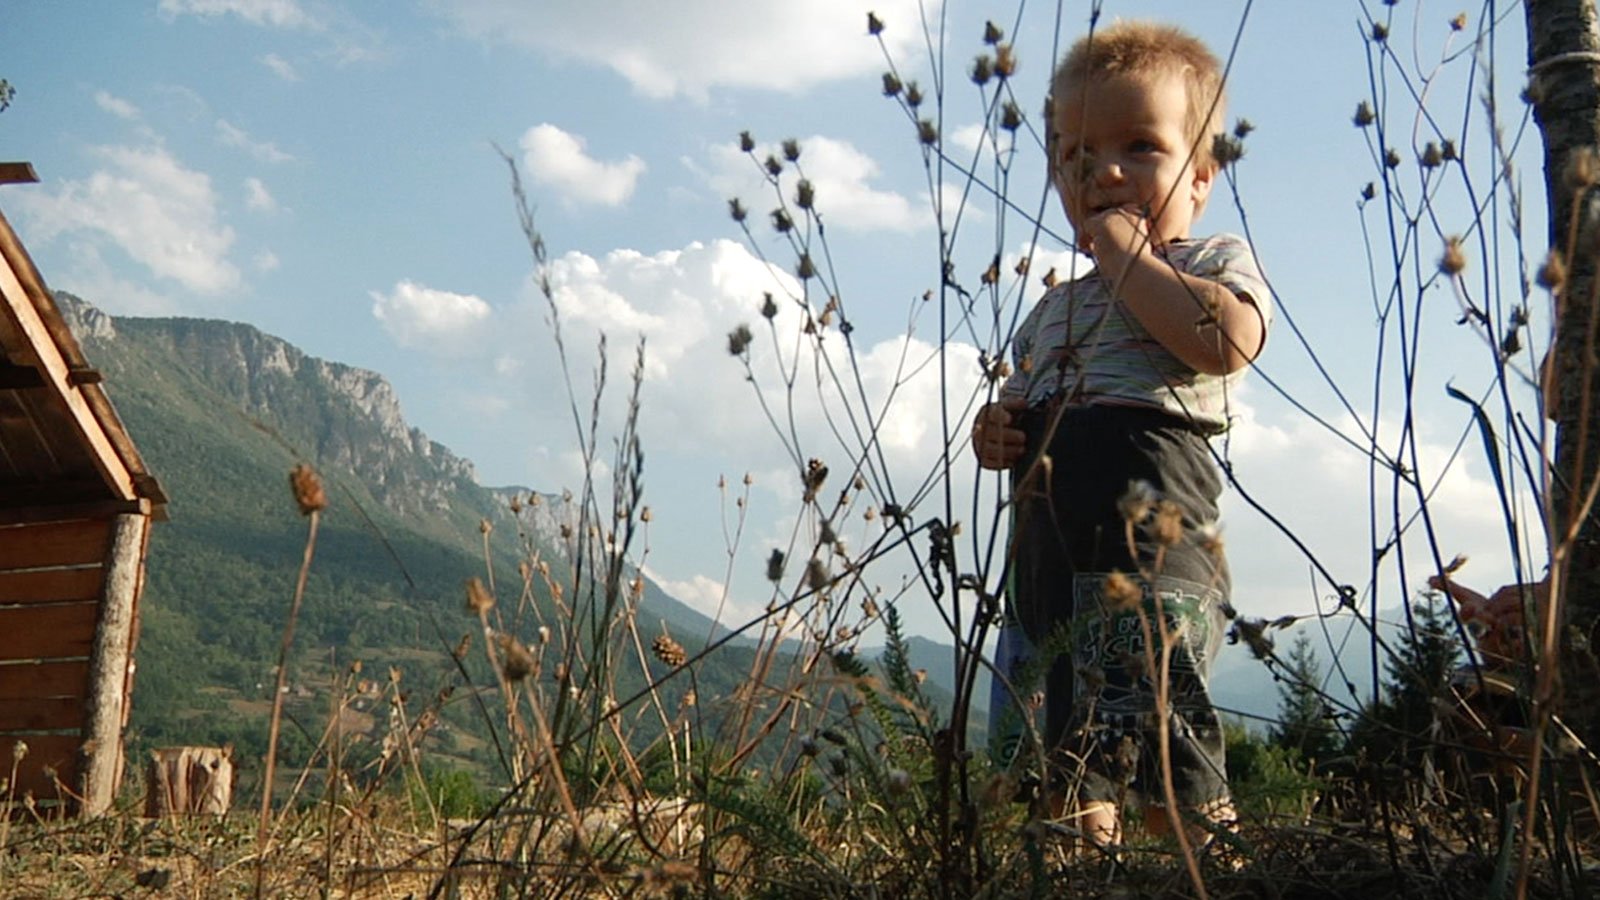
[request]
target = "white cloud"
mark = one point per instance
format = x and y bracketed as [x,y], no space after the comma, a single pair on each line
[707,596]
[1321,488]
[280,67]
[92,279]
[234,136]
[145,202]
[689,47]
[558,159]
[437,321]
[272,13]
[841,177]
[257,197]
[265,261]
[117,106]
[700,417]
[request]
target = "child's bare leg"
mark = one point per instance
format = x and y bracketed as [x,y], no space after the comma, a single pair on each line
[1217,817]
[1100,822]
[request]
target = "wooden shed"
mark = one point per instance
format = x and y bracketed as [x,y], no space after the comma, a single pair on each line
[76,503]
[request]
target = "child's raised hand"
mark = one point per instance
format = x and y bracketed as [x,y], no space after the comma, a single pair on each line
[1120,230]
[996,439]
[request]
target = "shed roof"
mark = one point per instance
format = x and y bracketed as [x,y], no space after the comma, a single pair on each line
[63,450]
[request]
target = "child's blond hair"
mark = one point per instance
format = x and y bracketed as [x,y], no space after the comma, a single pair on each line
[1141,49]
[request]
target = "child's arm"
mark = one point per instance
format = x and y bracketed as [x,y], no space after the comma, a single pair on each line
[1171,305]
[995,438]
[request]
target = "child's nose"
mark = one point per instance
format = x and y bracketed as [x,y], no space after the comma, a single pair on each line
[1107,171]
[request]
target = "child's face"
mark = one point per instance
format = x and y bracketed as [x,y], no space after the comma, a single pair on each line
[1124,141]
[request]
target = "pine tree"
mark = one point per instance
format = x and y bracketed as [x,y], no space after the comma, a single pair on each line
[1400,727]
[1304,724]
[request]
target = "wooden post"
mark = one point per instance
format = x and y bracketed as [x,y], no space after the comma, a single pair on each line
[111,664]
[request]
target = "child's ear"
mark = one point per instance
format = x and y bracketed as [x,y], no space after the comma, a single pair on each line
[1200,187]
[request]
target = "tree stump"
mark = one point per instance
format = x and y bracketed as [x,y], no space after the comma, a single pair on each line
[188,781]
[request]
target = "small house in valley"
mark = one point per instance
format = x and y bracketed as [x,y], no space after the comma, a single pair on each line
[76,504]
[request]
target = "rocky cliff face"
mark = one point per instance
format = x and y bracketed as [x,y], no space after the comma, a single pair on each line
[338,416]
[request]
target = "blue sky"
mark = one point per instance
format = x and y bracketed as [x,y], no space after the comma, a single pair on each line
[328,172]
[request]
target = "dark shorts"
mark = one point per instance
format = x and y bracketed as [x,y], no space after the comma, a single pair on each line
[1070,533]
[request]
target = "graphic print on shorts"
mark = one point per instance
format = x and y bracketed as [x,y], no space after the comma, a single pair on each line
[1109,646]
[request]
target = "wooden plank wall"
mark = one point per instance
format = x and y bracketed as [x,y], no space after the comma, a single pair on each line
[51,579]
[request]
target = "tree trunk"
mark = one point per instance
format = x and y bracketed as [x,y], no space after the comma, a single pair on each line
[1564,59]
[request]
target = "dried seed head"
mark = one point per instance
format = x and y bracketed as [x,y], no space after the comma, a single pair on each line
[1168,525]
[669,651]
[19,751]
[1431,156]
[874,24]
[516,660]
[1135,504]
[791,149]
[774,168]
[775,562]
[816,574]
[1364,115]
[1226,149]
[781,221]
[1242,128]
[1454,260]
[913,95]
[1121,591]
[1005,61]
[1553,273]
[992,33]
[739,340]
[1380,32]
[479,600]
[982,70]
[891,85]
[747,143]
[1391,158]
[805,268]
[307,489]
[1252,633]
[991,275]
[769,307]
[927,133]
[804,194]
[485,526]
[737,210]
[462,646]
[1370,191]
[1050,278]
[1458,22]
[1447,149]
[516,504]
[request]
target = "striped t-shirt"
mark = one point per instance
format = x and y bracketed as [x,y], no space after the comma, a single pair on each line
[1081,344]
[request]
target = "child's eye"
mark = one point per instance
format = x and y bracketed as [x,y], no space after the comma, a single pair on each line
[1143,146]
